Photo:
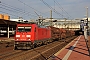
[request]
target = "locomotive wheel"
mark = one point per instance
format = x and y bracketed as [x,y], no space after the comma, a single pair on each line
[38,45]
[32,46]
[35,45]
[45,42]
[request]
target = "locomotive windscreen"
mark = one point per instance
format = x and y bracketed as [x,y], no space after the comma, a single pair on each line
[24,28]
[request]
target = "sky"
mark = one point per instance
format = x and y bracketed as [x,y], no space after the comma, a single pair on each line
[32,9]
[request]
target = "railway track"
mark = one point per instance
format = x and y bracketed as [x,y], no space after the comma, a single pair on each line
[6,46]
[40,53]
[6,55]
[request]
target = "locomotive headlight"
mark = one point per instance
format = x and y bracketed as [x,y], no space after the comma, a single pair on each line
[28,39]
[17,35]
[28,35]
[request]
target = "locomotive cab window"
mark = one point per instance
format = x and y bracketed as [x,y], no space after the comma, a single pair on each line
[24,29]
[20,29]
[27,29]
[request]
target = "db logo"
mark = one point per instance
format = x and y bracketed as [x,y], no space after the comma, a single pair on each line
[23,35]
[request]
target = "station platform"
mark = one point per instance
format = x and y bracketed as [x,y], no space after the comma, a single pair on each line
[76,50]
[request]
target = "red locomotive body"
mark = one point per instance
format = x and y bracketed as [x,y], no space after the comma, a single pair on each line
[29,35]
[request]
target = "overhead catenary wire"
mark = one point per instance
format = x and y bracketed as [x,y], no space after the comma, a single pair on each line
[15,9]
[9,10]
[52,8]
[11,7]
[12,11]
[26,13]
[60,7]
[31,7]
[10,14]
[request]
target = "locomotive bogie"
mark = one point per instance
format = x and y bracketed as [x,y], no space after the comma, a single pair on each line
[23,45]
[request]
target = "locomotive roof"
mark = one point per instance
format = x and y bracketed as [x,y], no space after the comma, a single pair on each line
[42,26]
[26,23]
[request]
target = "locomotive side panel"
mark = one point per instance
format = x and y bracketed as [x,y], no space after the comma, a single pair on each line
[44,33]
[43,36]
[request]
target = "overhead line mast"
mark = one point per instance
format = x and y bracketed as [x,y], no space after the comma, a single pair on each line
[51,17]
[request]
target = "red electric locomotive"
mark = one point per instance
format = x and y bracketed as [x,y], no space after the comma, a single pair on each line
[29,35]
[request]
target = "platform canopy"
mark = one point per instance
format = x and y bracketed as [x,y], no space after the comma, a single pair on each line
[7,22]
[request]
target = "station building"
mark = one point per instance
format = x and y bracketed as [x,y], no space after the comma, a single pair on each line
[67,24]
